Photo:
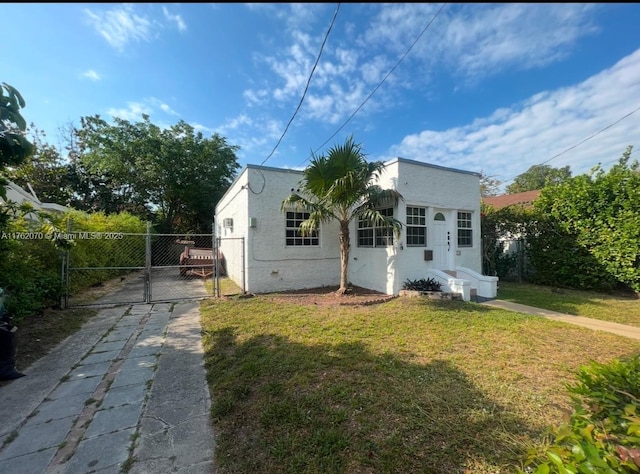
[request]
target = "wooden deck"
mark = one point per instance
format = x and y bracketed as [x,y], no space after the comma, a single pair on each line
[199,262]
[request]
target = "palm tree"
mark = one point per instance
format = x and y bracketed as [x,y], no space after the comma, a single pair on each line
[341,186]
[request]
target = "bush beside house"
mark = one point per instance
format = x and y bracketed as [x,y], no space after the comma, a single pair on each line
[582,233]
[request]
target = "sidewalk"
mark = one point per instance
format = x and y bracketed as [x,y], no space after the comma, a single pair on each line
[595,324]
[127,393]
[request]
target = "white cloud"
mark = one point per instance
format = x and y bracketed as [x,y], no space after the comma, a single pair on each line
[295,15]
[92,75]
[148,106]
[520,36]
[512,140]
[121,26]
[133,112]
[467,41]
[124,25]
[253,134]
[182,26]
[159,104]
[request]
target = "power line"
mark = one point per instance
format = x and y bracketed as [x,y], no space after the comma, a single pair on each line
[383,79]
[586,139]
[326,36]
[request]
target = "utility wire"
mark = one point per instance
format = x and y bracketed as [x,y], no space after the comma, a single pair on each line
[326,36]
[382,81]
[588,138]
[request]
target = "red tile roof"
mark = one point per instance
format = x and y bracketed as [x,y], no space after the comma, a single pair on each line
[526,198]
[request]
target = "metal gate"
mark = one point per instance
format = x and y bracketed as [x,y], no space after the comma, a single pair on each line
[121,268]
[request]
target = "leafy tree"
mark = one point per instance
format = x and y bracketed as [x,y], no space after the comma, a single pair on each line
[489,186]
[341,186]
[601,211]
[14,147]
[537,177]
[45,171]
[175,173]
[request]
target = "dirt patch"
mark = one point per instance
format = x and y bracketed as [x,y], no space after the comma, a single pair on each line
[328,296]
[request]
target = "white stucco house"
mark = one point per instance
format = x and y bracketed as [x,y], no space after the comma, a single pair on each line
[19,195]
[440,235]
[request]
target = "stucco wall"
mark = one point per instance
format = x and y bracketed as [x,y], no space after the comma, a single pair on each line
[234,205]
[270,264]
[439,190]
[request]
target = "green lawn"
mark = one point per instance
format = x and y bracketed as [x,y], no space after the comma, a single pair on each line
[410,385]
[618,309]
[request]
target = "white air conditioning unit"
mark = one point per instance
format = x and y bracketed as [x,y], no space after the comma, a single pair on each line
[227,222]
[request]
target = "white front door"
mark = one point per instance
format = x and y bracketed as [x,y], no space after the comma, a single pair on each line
[441,240]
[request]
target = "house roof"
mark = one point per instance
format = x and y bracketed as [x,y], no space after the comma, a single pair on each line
[19,195]
[526,199]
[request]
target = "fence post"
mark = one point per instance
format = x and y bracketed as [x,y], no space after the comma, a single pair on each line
[147,273]
[215,280]
[65,265]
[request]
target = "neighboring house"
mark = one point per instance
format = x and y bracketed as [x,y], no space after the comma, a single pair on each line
[524,199]
[18,195]
[512,244]
[440,237]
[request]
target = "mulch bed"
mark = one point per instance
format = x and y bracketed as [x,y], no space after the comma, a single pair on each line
[328,296]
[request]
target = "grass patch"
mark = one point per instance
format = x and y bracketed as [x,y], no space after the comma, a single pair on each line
[227,287]
[411,385]
[38,334]
[617,309]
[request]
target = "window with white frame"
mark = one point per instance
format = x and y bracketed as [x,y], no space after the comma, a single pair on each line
[293,236]
[416,226]
[465,233]
[372,235]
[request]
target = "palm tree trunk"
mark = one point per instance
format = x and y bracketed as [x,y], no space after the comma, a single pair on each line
[344,257]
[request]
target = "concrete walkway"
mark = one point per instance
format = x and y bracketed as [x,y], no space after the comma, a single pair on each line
[595,324]
[127,393]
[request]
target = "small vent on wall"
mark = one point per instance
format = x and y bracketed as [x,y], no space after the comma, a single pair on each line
[428,255]
[227,222]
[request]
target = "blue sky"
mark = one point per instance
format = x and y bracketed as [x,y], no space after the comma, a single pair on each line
[491,88]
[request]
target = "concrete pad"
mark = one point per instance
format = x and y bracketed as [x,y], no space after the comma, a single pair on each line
[134,363]
[595,324]
[29,463]
[120,334]
[149,340]
[100,357]
[75,387]
[141,351]
[90,370]
[175,432]
[176,444]
[163,465]
[106,451]
[125,395]
[108,346]
[22,396]
[175,426]
[114,419]
[128,322]
[60,408]
[131,377]
[33,438]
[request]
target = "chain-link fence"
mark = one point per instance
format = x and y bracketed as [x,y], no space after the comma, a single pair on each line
[117,267]
[507,258]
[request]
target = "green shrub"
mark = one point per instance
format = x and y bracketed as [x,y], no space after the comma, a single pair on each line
[603,433]
[428,284]
[31,268]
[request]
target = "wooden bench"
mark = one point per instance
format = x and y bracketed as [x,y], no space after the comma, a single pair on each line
[199,261]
